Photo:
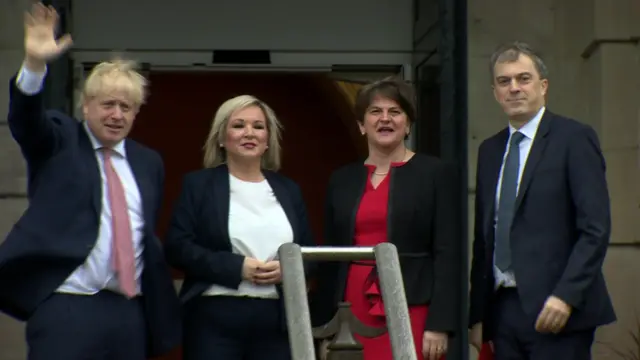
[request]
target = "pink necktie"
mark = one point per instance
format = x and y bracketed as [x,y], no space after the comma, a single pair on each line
[122,252]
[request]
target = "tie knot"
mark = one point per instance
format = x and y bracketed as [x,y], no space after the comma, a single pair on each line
[516,137]
[106,152]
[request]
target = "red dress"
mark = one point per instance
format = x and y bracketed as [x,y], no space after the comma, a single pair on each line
[363,290]
[485,353]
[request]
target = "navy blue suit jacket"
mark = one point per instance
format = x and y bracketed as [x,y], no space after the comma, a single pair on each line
[60,227]
[560,230]
[198,239]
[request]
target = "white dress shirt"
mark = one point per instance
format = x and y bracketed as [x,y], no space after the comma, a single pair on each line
[507,279]
[97,273]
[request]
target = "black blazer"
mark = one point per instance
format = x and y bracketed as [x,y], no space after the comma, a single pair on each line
[424,225]
[197,241]
[561,226]
[59,229]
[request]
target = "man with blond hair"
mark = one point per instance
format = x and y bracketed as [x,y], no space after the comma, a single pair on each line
[82,266]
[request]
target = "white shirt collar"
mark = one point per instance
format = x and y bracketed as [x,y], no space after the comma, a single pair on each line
[529,129]
[118,148]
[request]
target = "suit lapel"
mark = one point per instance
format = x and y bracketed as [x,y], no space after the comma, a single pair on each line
[493,165]
[535,154]
[284,198]
[140,174]
[88,154]
[221,195]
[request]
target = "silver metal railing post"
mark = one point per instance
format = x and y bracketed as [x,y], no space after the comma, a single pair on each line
[395,302]
[296,303]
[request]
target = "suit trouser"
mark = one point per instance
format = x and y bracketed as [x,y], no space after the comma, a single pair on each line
[234,328]
[515,337]
[104,326]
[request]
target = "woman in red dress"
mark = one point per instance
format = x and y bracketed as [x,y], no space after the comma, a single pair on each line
[404,198]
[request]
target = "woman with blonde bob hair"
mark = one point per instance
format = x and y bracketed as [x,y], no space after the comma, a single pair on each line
[227,226]
[214,151]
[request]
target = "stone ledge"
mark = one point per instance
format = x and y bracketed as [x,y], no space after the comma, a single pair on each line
[595,44]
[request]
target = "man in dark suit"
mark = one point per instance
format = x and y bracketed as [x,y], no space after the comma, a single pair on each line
[542,224]
[82,265]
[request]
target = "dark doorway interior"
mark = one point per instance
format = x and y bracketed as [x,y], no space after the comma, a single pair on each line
[317,123]
[319,131]
[428,131]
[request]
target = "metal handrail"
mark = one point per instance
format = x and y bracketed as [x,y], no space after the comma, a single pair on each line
[294,286]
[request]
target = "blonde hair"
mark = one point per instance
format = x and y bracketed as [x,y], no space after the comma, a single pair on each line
[115,75]
[215,155]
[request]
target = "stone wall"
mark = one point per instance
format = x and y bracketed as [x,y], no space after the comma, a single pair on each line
[593,60]
[595,77]
[12,168]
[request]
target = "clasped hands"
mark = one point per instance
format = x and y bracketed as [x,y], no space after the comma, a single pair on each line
[261,272]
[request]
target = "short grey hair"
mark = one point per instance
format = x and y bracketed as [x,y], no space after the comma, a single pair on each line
[510,52]
[215,155]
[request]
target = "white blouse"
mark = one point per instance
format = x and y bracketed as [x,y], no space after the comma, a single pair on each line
[257,227]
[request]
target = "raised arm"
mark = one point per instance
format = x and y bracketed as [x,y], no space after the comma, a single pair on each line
[37,135]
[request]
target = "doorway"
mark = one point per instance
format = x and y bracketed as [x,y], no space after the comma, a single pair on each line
[319,130]
[320,133]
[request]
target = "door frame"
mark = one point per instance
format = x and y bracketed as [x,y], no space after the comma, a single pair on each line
[363,66]
[449,55]
[279,60]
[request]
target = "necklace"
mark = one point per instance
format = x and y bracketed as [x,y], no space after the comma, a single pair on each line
[386,172]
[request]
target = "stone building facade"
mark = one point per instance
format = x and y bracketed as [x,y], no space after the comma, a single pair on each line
[591,48]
